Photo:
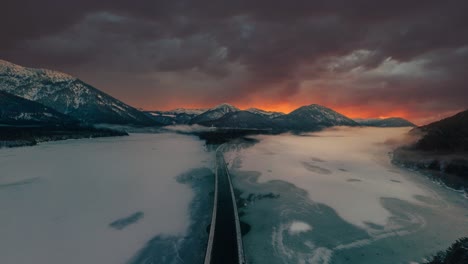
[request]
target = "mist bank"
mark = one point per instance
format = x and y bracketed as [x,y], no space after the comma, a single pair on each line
[335,197]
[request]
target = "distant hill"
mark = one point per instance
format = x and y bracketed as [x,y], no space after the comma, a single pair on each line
[384,122]
[179,116]
[447,135]
[269,114]
[442,151]
[17,111]
[242,120]
[312,117]
[213,114]
[168,119]
[68,95]
[187,111]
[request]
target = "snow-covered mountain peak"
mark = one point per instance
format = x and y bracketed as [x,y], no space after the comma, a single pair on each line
[67,94]
[56,76]
[320,115]
[11,69]
[226,106]
[317,107]
[214,113]
[8,68]
[270,114]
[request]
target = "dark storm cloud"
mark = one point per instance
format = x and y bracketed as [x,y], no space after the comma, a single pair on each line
[351,52]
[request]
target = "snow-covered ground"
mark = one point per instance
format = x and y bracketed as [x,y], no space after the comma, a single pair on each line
[58,200]
[334,197]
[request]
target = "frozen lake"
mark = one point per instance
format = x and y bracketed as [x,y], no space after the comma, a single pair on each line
[327,197]
[96,200]
[334,197]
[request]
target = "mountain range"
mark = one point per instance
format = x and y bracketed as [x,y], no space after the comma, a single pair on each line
[305,118]
[53,97]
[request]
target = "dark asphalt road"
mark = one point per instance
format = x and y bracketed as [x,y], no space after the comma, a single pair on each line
[225,247]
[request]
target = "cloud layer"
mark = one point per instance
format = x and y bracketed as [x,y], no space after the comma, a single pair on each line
[364,57]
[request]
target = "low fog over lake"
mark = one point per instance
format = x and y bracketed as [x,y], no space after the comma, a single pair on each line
[334,197]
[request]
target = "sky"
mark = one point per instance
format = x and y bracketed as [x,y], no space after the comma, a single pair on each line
[363,58]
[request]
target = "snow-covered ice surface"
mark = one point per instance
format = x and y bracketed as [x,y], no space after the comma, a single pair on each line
[297,227]
[102,200]
[334,197]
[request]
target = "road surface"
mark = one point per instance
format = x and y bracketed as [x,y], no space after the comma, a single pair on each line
[225,240]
